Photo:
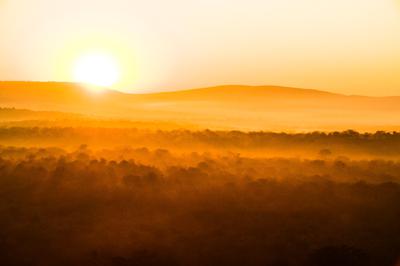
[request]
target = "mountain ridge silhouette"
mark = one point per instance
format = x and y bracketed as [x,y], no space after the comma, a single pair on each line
[226,106]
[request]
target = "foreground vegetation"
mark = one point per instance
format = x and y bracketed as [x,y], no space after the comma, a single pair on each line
[94,205]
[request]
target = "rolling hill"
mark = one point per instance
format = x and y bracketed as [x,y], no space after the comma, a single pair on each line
[221,107]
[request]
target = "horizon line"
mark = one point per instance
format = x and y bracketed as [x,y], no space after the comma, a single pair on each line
[147,91]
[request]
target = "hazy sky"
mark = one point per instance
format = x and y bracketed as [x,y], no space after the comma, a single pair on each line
[348,46]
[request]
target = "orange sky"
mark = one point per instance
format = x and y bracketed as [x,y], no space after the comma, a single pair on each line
[347,46]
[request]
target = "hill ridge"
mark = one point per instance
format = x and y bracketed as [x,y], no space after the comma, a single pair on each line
[217,88]
[81,86]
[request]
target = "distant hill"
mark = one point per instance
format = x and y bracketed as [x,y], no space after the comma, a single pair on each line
[50,96]
[11,117]
[12,114]
[221,107]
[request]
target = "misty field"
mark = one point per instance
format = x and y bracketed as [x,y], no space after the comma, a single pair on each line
[119,196]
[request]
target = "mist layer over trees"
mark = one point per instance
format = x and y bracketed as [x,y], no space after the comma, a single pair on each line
[103,196]
[265,144]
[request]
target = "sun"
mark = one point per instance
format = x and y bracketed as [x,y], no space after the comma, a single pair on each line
[97,68]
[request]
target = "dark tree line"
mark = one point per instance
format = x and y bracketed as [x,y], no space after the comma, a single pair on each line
[338,143]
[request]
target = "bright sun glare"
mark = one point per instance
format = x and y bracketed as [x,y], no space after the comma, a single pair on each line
[98,69]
